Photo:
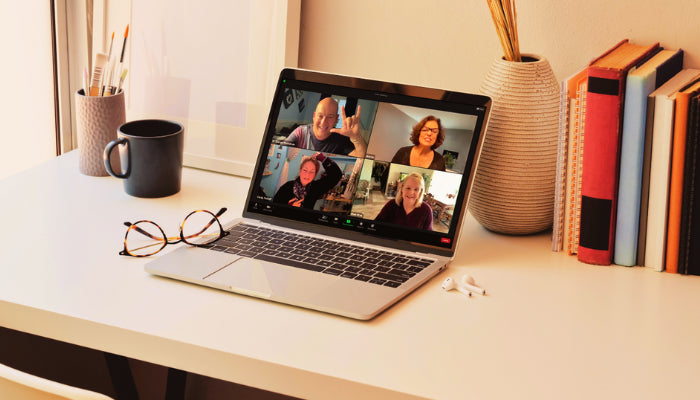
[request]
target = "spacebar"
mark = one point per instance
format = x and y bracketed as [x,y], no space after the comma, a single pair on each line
[291,263]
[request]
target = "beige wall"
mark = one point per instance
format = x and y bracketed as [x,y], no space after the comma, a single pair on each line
[450,44]
[26,108]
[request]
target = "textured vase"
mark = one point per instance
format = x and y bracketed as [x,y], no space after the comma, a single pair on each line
[513,190]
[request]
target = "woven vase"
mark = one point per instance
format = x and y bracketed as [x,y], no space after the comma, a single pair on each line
[513,190]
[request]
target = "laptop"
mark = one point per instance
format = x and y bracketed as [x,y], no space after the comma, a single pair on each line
[345,224]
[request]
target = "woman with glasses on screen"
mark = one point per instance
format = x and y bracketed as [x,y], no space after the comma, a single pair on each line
[426,136]
[408,207]
[304,190]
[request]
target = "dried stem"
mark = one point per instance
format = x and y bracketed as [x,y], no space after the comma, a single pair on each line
[504,18]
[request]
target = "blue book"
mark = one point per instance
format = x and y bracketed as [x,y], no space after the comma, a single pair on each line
[641,82]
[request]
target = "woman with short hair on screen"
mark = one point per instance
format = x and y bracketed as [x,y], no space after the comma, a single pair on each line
[408,207]
[426,136]
[304,191]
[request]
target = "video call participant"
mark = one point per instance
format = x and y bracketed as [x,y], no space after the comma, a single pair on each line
[427,135]
[321,135]
[408,207]
[304,191]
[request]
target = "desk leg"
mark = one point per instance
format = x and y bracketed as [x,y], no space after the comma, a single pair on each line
[177,379]
[122,379]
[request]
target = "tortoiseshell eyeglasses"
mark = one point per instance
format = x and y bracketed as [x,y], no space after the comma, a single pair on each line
[145,238]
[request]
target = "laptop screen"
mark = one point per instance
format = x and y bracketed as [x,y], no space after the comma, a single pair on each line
[366,159]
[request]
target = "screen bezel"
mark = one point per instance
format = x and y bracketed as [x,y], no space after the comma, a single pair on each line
[416,96]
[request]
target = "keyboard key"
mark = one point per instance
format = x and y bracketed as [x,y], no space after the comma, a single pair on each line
[399,272]
[419,263]
[352,262]
[357,257]
[390,277]
[368,265]
[332,271]
[312,260]
[324,262]
[248,253]
[291,263]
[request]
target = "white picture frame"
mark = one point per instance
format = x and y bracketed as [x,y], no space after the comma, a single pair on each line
[213,68]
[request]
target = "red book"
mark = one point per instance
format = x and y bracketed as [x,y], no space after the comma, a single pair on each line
[601,148]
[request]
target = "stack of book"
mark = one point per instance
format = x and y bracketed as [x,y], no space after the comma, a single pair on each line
[626,171]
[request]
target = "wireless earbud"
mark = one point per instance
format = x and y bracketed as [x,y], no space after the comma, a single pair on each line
[450,284]
[467,282]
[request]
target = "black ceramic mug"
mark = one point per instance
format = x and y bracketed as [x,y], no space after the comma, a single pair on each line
[151,157]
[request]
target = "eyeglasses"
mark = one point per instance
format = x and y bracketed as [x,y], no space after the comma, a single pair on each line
[199,228]
[425,129]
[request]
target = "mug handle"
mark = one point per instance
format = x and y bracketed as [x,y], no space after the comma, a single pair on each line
[106,156]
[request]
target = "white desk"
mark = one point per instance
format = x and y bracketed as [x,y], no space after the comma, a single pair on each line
[550,327]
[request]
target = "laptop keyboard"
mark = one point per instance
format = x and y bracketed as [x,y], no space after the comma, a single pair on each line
[326,256]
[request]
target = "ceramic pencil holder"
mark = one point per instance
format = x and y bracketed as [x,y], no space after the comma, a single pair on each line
[98,119]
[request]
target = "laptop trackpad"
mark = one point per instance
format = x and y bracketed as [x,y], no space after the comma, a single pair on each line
[245,275]
[269,280]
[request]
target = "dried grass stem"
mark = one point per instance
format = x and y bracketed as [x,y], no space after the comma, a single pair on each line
[505,20]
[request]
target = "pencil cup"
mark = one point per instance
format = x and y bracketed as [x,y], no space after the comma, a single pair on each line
[98,118]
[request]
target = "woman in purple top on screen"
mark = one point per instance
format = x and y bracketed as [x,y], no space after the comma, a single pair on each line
[408,207]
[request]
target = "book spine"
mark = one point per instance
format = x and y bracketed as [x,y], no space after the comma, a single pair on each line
[581,115]
[576,139]
[560,184]
[646,172]
[688,262]
[631,158]
[600,168]
[657,210]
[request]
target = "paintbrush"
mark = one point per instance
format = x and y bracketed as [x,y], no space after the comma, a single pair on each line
[97,74]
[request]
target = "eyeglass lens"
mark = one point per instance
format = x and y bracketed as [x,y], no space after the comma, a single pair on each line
[144,238]
[200,227]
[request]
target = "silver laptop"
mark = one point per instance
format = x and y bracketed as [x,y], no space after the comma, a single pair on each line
[357,197]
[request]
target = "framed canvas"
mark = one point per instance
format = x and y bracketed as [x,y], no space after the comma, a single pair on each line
[213,69]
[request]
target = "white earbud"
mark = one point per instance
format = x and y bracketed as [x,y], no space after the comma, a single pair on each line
[450,284]
[467,282]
